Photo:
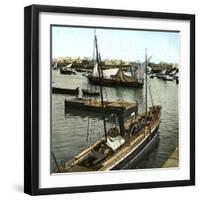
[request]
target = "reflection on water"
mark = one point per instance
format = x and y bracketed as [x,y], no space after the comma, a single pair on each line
[70,133]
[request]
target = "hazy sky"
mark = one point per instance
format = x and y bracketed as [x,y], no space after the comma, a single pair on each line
[127,45]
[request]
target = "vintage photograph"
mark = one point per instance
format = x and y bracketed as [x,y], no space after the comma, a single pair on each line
[114,99]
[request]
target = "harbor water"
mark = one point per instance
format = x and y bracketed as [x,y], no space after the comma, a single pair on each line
[70,133]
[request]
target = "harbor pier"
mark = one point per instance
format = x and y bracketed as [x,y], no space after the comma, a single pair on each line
[172,161]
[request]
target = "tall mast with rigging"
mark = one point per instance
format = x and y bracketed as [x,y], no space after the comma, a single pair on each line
[100,73]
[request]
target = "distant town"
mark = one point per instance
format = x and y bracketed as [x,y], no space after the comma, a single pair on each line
[87,63]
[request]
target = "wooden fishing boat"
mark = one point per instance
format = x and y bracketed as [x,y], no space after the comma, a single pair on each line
[117,77]
[132,82]
[136,135]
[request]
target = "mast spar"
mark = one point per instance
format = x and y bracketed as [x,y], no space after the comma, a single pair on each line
[100,73]
[145,91]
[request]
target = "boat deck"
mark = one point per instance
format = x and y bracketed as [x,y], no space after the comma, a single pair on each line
[110,107]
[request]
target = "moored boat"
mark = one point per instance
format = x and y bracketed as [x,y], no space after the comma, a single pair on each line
[56,90]
[168,78]
[117,76]
[116,82]
[118,148]
[68,70]
[162,74]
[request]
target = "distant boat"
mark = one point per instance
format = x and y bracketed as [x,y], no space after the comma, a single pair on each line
[57,90]
[152,76]
[68,70]
[162,74]
[177,80]
[55,66]
[176,77]
[173,72]
[167,78]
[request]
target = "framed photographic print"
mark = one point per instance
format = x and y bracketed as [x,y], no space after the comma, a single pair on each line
[109,99]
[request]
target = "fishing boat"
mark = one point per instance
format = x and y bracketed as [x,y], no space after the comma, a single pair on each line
[132,136]
[173,72]
[167,78]
[117,77]
[68,70]
[162,74]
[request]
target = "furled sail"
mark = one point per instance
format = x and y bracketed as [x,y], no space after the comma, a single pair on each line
[121,76]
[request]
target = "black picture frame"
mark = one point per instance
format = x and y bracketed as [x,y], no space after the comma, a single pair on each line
[31,98]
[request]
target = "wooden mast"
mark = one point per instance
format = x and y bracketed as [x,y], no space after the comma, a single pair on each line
[145,92]
[100,72]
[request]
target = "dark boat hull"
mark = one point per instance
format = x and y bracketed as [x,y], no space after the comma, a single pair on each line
[56,90]
[140,152]
[114,82]
[68,72]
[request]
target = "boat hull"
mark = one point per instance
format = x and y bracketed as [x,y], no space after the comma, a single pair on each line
[140,152]
[114,82]
[67,72]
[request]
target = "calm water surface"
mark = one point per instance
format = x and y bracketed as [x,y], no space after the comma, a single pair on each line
[69,132]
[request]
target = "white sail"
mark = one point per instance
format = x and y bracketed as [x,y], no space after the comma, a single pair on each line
[107,73]
[164,71]
[95,70]
[55,66]
[68,66]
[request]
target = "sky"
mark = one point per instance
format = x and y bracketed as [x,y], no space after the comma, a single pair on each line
[127,45]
